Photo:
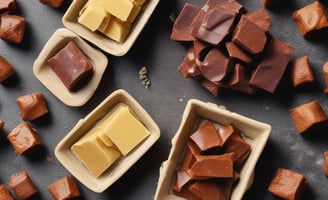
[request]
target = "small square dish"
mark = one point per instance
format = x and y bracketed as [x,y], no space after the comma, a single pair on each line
[70,21]
[72,163]
[50,80]
[253,132]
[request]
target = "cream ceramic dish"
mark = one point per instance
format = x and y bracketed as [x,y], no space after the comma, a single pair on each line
[114,172]
[50,80]
[255,133]
[100,40]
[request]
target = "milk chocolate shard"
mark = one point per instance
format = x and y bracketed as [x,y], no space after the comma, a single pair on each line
[71,66]
[288,184]
[6,69]
[64,188]
[212,190]
[271,68]
[235,52]
[301,71]
[307,115]
[22,185]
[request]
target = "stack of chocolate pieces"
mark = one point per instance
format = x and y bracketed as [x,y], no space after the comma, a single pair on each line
[230,48]
[212,163]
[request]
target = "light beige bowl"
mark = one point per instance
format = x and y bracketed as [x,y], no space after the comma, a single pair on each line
[114,172]
[101,41]
[50,80]
[256,134]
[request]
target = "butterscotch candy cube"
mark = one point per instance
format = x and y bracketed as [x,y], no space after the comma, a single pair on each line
[22,185]
[301,71]
[6,69]
[5,194]
[64,188]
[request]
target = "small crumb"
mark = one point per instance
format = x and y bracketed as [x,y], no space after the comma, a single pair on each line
[143,76]
[48,158]
[181,100]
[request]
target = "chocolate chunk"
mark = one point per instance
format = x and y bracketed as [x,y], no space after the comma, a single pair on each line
[239,80]
[301,71]
[182,179]
[235,52]
[325,75]
[71,66]
[24,139]
[311,18]
[32,106]
[249,36]
[215,26]
[8,6]
[64,188]
[2,123]
[214,88]
[212,190]
[22,185]
[4,193]
[261,18]
[215,66]
[307,116]
[181,28]
[188,67]
[6,69]
[325,163]
[52,3]
[12,28]
[269,72]
[228,5]
[288,184]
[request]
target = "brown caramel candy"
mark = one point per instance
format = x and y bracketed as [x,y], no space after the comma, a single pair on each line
[52,3]
[2,123]
[325,163]
[71,66]
[22,185]
[311,18]
[307,115]
[64,188]
[325,75]
[4,193]
[288,184]
[12,28]
[23,138]
[32,106]
[8,6]
[301,71]
[6,69]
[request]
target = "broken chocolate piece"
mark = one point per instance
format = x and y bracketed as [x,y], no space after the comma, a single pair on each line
[235,52]
[4,193]
[228,5]
[261,18]
[12,28]
[301,71]
[239,80]
[6,69]
[188,67]
[212,190]
[22,185]
[64,188]
[8,6]
[181,179]
[32,106]
[214,88]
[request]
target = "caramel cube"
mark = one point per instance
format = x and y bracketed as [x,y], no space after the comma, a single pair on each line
[5,194]
[52,3]
[301,71]
[32,106]
[6,69]
[2,123]
[12,28]
[64,188]
[22,185]
[8,6]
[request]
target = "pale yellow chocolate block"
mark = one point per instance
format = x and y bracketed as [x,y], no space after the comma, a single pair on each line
[134,13]
[106,140]
[138,2]
[117,30]
[95,155]
[125,130]
[104,23]
[93,17]
[121,9]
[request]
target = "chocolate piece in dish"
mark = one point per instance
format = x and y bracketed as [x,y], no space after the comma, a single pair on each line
[64,188]
[2,123]
[12,28]
[5,193]
[32,106]
[71,66]
[24,138]
[311,18]
[6,69]
[288,184]
[307,115]
[22,185]
[8,6]
[52,3]
[301,71]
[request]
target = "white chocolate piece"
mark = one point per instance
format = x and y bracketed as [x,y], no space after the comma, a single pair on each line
[121,9]
[93,17]
[117,30]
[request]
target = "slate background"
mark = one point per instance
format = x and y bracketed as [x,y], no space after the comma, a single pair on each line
[165,100]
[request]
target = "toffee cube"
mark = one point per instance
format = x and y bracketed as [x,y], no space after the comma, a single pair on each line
[2,123]
[12,28]
[64,188]
[4,193]
[22,185]
[6,69]
[32,106]
[301,71]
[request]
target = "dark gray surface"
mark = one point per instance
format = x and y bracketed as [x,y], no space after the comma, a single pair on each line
[165,100]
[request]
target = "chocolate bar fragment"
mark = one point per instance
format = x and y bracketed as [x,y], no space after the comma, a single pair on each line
[228,5]
[239,80]
[8,6]
[6,69]
[12,28]
[212,190]
[52,3]
[301,71]
[188,67]
[288,184]
[24,139]
[307,115]
[325,163]
[235,52]
[22,185]
[32,106]
[5,193]
[214,88]
[71,66]
[64,188]
[261,18]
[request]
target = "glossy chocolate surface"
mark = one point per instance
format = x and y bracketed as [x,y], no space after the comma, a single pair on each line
[12,28]
[64,188]
[32,106]
[22,185]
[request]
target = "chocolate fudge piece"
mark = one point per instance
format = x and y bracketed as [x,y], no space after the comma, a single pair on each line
[52,3]
[311,18]
[71,66]
[235,52]
[269,72]
[325,163]
[288,184]
[6,69]
[32,106]
[12,28]
[325,75]
[301,71]
[212,190]
[64,188]
[8,6]
[307,115]
[22,185]
[23,138]
[4,193]
[261,18]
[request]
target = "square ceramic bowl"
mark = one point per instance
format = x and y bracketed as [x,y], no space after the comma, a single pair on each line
[50,80]
[254,132]
[67,158]
[106,44]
